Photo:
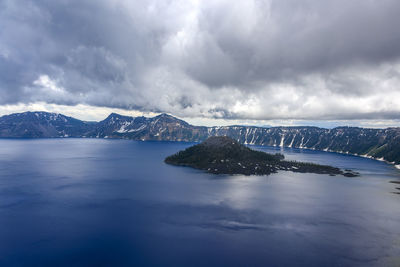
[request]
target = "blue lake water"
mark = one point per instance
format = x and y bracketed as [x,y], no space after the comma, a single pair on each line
[96,202]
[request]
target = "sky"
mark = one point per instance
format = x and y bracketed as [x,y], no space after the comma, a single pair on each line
[210,62]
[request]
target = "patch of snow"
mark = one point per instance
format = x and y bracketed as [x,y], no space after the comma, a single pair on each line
[252,139]
[282,139]
[138,129]
[370,157]
[123,126]
[301,144]
[245,137]
[160,132]
[291,143]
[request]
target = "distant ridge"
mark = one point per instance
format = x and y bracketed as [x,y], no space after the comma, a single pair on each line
[381,144]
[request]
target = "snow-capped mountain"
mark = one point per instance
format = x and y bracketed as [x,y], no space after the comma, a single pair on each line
[375,143]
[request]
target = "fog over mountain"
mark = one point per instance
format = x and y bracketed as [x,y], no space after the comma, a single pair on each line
[233,60]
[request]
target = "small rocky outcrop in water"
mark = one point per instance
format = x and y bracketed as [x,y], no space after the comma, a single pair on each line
[223,155]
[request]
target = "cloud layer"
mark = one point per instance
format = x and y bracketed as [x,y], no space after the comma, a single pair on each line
[253,59]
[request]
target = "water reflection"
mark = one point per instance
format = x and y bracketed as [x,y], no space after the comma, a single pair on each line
[92,202]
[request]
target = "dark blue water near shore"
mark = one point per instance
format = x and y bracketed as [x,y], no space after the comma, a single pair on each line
[87,202]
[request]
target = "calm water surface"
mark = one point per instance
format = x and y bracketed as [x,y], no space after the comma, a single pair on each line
[90,202]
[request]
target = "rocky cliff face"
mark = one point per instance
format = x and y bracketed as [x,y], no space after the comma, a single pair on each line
[376,143]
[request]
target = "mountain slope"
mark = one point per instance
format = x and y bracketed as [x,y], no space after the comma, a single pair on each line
[110,125]
[41,124]
[375,143]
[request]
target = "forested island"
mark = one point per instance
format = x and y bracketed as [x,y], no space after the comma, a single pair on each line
[224,155]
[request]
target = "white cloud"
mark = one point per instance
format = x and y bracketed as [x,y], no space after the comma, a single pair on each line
[243,60]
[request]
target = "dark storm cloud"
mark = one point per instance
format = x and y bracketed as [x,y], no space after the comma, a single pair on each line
[244,59]
[290,38]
